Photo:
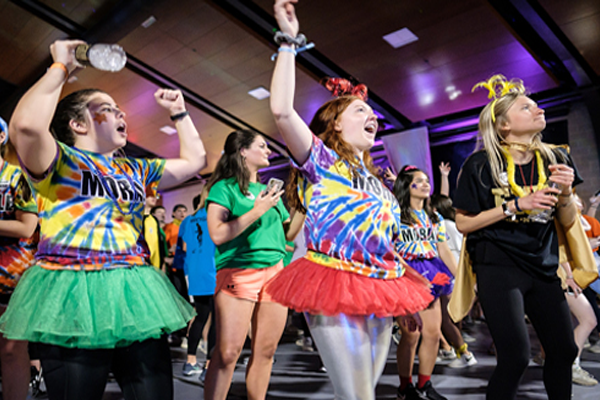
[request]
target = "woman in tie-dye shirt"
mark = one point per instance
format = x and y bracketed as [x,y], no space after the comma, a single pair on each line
[423,244]
[352,280]
[92,300]
[18,219]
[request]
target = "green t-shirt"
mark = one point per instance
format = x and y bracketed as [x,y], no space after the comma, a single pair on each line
[262,244]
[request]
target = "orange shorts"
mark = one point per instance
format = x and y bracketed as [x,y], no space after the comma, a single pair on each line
[247,284]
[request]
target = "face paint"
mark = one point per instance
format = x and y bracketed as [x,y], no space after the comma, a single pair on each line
[413,185]
[99,118]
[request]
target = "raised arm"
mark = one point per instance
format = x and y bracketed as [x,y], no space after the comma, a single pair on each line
[192,156]
[294,130]
[30,123]
[444,178]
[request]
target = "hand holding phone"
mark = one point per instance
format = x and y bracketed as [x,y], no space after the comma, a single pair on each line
[274,186]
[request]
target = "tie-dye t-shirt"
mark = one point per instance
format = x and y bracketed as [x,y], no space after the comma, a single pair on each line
[420,239]
[16,254]
[351,222]
[91,210]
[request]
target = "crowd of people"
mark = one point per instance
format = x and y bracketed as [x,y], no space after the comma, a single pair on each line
[94,282]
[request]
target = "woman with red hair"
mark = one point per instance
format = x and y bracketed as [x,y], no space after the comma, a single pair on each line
[352,280]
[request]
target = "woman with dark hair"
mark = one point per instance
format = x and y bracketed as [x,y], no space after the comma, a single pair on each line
[509,199]
[423,246]
[245,221]
[18,220]
[92,300]
[352,281]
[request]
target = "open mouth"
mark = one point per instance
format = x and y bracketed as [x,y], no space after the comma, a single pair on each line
[122,129]
[371,128]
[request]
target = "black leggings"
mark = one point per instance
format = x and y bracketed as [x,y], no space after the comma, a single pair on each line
[143,371]
[205,306]
[506,294]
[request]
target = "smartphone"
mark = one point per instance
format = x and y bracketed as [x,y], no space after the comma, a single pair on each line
[274,183]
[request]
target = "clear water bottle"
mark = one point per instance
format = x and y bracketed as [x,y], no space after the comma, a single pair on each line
[544,216]
[105,57]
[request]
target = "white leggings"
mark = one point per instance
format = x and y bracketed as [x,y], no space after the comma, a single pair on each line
[354,349]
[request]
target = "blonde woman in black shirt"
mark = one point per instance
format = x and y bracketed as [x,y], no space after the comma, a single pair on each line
[507,198]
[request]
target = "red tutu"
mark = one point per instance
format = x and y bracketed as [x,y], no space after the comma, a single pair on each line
[306,286]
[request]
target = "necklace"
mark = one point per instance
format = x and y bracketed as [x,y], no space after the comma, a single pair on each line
[510,172]
[531,179]
[106,185]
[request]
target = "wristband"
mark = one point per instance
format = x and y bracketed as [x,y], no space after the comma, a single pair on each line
[62,66]
[179,116]
[570,277]
[517,205]
[287,50]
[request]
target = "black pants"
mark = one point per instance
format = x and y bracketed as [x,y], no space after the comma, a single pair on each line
[507,294]
[143,371]
[205,306]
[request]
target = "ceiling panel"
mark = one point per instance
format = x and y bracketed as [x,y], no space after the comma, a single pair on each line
[580,21]
[212,54]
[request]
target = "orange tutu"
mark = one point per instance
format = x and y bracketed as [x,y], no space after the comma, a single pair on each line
[306,286]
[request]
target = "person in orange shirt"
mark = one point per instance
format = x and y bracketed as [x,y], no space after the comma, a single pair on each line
[172,228]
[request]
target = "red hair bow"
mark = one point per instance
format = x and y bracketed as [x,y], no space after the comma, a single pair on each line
[343,87]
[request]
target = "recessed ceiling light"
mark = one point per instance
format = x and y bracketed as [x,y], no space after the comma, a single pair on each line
[400,38]
[149,21]
[259,93]
[454,94]
[169,130]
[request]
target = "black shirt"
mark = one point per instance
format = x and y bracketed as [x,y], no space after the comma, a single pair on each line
[518,241]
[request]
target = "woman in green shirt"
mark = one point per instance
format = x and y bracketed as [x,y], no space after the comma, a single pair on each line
[246,224]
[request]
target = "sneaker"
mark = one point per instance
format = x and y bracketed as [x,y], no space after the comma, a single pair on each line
[202,346]
[184,343]
[191,369]
[538,359]
[323,369]
[595,348]
[429,393]
[466,360]
[582,377]
[409,393]
[396,333]
[203,376]
[468,338]
[305,343]
[587,344]
[447,355]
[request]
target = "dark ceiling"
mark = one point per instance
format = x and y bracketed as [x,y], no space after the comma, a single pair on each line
[217,51]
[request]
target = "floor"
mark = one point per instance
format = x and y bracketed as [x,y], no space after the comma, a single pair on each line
[296,376]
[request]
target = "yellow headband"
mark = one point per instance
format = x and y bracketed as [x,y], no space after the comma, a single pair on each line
[498,87]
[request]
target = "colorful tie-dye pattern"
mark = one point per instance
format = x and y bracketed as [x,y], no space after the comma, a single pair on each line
[16,255]
[82,228]
[420,239]
[354,221]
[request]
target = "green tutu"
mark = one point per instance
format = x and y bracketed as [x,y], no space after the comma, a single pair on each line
[95,309]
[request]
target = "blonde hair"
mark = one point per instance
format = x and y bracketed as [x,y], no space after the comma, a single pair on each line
[490,135]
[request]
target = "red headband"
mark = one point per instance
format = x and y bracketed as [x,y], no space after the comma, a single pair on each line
[342,87]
